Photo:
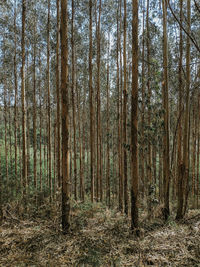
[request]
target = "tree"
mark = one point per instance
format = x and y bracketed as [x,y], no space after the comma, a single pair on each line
[34,110]
[91,105]
[125,95]
[65,119]
[24,156]
[58,93]
[49,99]
[73,102]
[134,117]
[98,30]
[166,160]
[179,160]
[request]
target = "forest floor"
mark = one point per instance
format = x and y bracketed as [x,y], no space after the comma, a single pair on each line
[98,237]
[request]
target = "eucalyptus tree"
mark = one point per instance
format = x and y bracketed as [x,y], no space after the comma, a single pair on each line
[65,118]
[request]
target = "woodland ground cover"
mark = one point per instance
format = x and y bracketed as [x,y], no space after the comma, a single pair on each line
[98,237]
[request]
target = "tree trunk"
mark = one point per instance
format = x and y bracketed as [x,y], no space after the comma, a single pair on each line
[65,119]
[49,101]
[98,30]
[34,111]
[108,133]
[125,94]
[134,117]
[187,111]
[16,93]
[91,105]
[73,102]
[166,177]
[179,142]
[58,94]
[40,97]
[24,156]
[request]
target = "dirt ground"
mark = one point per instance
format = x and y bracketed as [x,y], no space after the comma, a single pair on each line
[98,237]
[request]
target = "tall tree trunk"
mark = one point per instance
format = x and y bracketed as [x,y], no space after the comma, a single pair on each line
[194,144]
[84,169]
[73,102]
[187,111]
[58,93]
[34,110]
[65,119]
[98,30]
[125,94]
[40,97]
[81,194]
[10,132]
[179,142]
[134,117]
[108,133]
[49,101]
[5,131]
[16,93]
[119,107]
[166,174]
[143,107]
[198,153]
[91,105]
[149,166]
[24,157]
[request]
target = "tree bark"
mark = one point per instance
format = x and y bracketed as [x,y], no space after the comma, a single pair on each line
[24,155]
[65,120]
[91,105]
[166,162]
[134,117]
[125,94]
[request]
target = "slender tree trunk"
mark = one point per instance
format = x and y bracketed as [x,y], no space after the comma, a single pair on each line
[5,126]
[16,94]
[179,142]
[28,135]
[149,166]
[119,107]
[143,108]
[54,159]
[34,111]
[58,94]
[125,94]
[10,132]
[108,134]
[160,174]
[24,157]
[27,85]
[198,154]
[193,152]
[49,101]
[98,30]
[81,194]
[73,102]
[187,110]
[40,97]
[84,168]
[149,155]
[166,175]
[134,117]
[91,105]
[65,119]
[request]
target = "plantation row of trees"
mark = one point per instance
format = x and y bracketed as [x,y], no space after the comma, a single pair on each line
[100,99]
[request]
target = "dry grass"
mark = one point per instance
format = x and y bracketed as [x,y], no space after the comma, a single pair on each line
[98,237]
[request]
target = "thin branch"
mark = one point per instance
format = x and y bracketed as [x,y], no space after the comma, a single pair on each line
[196,5]
[191,38]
